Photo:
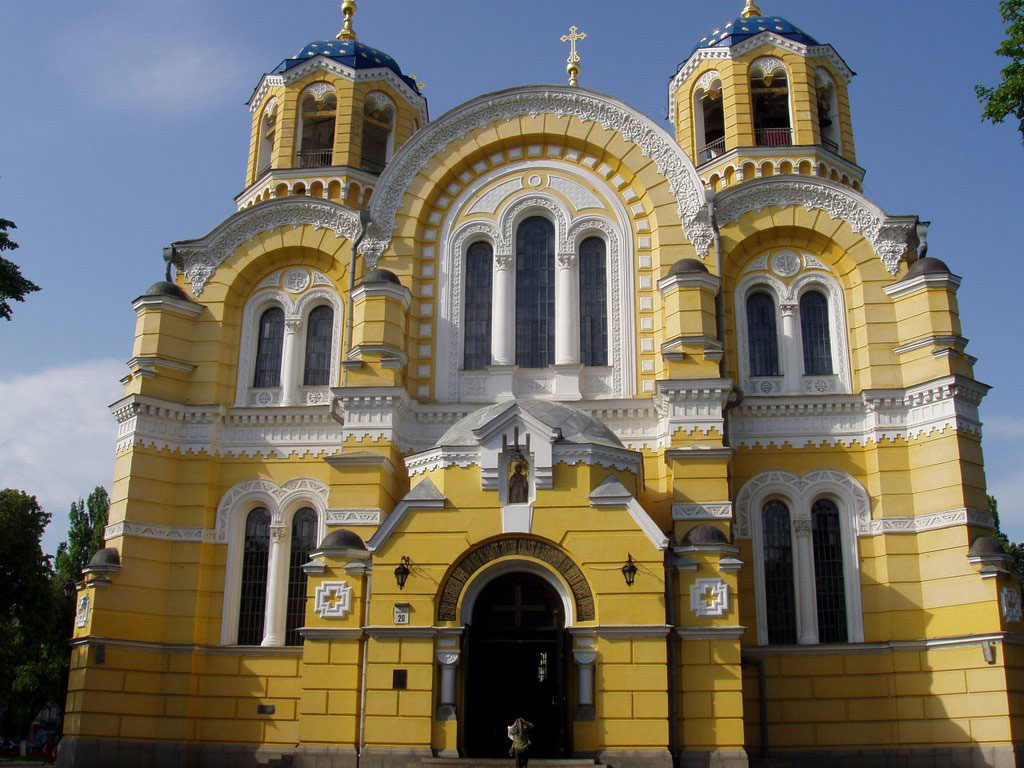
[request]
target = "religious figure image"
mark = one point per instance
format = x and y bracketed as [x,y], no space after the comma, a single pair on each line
[518,485]
[519,732]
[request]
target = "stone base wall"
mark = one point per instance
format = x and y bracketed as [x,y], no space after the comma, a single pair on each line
[719,758]
[981,756]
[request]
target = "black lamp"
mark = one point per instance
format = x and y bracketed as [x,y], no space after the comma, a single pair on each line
[629,571]
[402,572]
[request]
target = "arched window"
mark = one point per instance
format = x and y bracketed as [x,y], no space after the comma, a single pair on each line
[477,342]
[769,93]
[535,293]
[268,130]
[378,121]
[304,529]
[780,597]
[710,121]
[828,572]
[828,116]
[593,302]
[319,332]
[255,559]
[268,351]
[316,146]
[764,341]
[814,331]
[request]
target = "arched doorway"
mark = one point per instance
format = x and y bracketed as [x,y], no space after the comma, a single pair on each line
[515,667]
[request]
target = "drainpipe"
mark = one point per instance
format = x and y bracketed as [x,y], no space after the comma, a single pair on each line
[364,225]
[365,640]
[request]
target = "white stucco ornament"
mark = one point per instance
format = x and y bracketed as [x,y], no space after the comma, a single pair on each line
[1010,601]
[709,597]
[333,600]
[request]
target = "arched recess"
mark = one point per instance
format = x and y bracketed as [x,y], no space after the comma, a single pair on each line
[572,582]
[530,101]
[199,259]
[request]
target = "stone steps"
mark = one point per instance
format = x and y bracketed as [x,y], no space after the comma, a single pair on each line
[469,762]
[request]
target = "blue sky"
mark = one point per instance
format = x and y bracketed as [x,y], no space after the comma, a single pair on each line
[125,128]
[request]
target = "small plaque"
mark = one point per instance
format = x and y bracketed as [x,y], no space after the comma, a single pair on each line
[265,709]
[402,613]
[399,679]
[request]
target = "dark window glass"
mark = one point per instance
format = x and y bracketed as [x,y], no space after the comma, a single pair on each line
[770,97]
[828,572]
[303,541]
[764,341]
[268,351]
[593,302]
[477,352]
[815,333]
[780,599]
[252,606]
[376,130]
[535,293]
[319,334]
[315,149]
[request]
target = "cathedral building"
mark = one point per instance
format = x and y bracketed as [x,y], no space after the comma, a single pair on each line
[666,442]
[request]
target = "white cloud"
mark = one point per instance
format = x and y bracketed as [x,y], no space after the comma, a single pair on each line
[57,436]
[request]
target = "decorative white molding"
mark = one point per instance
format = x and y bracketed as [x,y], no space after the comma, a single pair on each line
[910,285]
[707,80]
[611,114]
[333,599]
[803,491]
[891,237]
[378,100]
[767,65]
[785,263]
[84,606]
[1009,600]
[199,258]
[278,498]
[715,510]
[948,519]
[823,78]
[580,197]
[319,90]
[353,517]
[709,597]
[161,532]
[490,200]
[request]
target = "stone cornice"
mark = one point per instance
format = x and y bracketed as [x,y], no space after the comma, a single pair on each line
[909,285]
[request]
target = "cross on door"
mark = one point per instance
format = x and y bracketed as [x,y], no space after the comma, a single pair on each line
[518,607]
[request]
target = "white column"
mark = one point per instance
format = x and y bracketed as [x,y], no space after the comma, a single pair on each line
[449,661]
[790,350]
[503,308]
[567,313]
[277,587]
[807,606]
[585,690]
[289,362]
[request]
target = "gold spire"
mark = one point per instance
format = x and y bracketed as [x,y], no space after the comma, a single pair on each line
[573,62]
[348,7]
[750,10]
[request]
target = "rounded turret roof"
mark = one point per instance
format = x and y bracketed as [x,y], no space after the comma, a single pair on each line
[739,29]
[106,556]
[381,275]
[165,288]
[342,540]
[928,266]
[351,53]
[573,424]
[986,546]
[683,266]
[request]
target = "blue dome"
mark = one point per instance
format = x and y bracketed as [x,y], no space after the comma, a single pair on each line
[351,53]
[740,28]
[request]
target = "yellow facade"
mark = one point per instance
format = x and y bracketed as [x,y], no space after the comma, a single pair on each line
[667,444]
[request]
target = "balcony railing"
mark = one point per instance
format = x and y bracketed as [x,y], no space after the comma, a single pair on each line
[313,158]
[830,145]
[773,137]
[713,149]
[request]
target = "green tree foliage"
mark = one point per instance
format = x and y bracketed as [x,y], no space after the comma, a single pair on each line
[1016,551]
[1008,97]
[29,656]
[85,535]
[12,284]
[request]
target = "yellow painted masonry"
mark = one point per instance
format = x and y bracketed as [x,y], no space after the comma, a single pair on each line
[329,523]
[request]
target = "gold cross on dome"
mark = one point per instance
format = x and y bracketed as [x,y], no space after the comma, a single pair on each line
[573,62]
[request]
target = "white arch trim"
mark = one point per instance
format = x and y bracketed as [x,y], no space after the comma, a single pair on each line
[502,106]
[198,259]
[890,236]
[486,575]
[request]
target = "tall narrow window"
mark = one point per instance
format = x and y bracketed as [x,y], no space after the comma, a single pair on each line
[814,330]
[780,598]
[268,351]
[319,334]
[828,113]
[710,122]
[828,572]
[770,95]
[268,129]
[593,302]
[535,293]
[252,606]
[764,340]
[477,341]
[303,541]
[378,121]
[316,146]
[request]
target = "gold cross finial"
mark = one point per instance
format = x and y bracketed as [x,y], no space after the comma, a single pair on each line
[751,10]
[348,7]
[573,62]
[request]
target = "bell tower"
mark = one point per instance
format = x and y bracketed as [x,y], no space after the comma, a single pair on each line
[326,121]
[757,97]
